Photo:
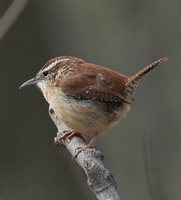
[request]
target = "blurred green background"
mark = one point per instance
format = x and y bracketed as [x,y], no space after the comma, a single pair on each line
[143,151]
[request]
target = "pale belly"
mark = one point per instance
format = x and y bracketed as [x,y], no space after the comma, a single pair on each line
[87,117]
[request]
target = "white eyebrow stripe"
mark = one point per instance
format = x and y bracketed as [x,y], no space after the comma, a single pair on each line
[53,64]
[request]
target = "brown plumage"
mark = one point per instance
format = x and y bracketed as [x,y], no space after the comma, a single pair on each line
[88,98]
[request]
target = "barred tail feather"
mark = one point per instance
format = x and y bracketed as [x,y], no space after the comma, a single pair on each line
[144,71]
[132,82]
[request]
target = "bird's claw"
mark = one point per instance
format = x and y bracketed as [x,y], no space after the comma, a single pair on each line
[80,149]
[70,133]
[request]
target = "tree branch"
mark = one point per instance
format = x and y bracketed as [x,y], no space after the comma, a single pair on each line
[99,179]
[11,14]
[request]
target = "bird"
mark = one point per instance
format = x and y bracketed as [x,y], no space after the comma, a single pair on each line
[88,98]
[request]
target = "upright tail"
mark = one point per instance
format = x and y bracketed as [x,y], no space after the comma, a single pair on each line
[132,82]
[144,71]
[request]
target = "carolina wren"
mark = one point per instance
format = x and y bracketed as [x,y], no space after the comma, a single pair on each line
[87,97]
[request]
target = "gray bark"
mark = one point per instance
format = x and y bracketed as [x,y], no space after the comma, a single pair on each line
[99,179]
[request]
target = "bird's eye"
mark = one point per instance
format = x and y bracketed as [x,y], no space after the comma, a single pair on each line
[45,73]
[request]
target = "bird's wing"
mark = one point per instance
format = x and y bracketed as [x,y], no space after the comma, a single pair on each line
[92,82]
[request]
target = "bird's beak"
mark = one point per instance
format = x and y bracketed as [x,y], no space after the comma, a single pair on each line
[30,82]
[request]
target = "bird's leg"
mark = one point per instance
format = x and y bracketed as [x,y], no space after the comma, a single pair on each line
[70,133]
[89,145]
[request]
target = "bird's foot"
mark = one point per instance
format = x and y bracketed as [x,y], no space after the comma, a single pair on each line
[70,133]
[67,135]
[80,149]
